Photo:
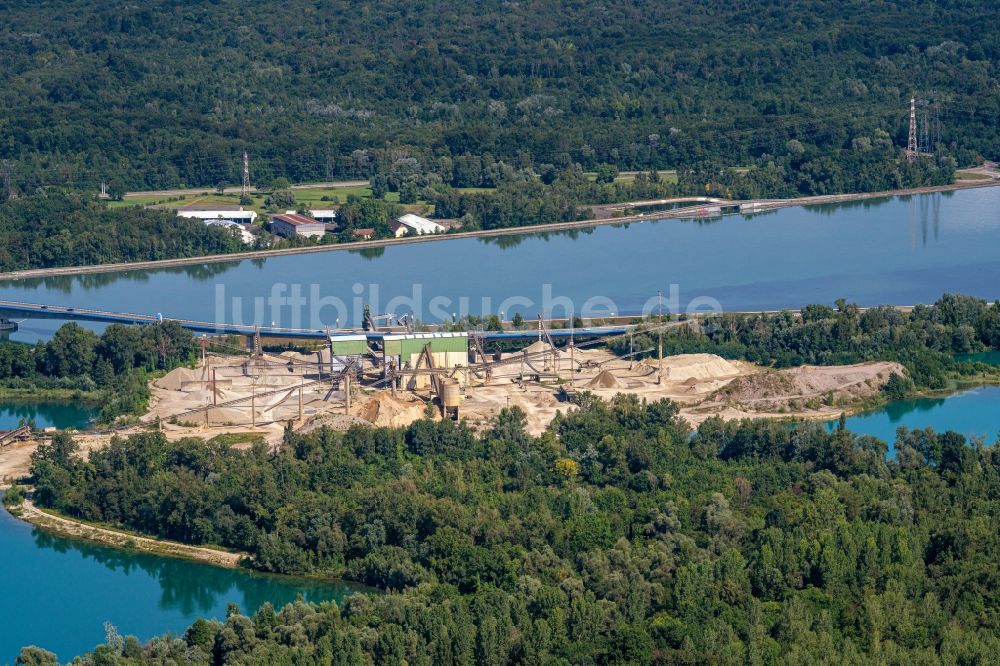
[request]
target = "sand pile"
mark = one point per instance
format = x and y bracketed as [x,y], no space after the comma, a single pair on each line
[222,415]
[334,421]
[539,346]
[605,380]
[777,388]
[176,379]
[385,411]
[684,367]
[296,357]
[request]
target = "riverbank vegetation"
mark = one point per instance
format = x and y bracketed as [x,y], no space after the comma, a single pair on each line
[112,367]
[53,229]
[617,536]
[925,340]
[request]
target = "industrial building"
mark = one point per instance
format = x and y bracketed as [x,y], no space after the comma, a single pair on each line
[291,225]
[346,346]
[420,225]
[409,351]
[217,212]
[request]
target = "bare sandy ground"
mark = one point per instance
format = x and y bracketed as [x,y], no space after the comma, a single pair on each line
[71,528]
[704,385]
[539,383]
[15,461]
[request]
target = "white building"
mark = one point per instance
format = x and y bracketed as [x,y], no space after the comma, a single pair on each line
[234,214]
[420,225]
[326,216]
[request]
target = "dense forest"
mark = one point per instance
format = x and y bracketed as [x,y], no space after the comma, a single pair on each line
[161,93]
[616,537]
[112,366]
[55,229]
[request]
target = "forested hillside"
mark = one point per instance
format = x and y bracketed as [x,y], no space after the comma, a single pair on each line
[618,537]
[156,93]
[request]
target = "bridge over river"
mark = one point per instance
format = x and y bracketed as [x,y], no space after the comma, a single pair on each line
[16,310]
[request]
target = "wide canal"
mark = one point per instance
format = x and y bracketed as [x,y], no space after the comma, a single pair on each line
[899,250]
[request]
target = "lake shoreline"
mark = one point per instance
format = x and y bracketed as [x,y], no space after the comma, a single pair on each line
[511,231]
[75,529]
[28,396]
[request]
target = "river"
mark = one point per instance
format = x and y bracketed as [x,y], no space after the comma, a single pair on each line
[899,250]
[58,593]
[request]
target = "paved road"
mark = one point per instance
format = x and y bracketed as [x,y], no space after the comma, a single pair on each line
[237,190]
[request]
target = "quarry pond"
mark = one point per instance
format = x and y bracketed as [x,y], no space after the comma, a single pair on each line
[973,413]
[65,590]
[45,414]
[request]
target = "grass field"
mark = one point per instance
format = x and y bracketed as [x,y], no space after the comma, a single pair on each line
[305,197]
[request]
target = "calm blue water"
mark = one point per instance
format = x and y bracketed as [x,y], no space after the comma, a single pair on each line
[45,414]
[899,250]
[59,593]
[973,413]
[990,357]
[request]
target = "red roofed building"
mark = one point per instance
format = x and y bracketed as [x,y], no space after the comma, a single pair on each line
[364,233]
[291,225]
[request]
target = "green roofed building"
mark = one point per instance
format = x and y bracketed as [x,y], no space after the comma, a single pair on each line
[449,350]
[348,345]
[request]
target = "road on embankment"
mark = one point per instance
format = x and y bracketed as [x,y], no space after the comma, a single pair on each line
[686,212]
[194,191]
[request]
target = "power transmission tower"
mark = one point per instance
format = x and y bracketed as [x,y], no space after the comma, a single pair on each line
[911,147]
[246,175]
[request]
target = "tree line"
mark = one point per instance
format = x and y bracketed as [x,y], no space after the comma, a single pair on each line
[53,229]
[925,339]
[114,365]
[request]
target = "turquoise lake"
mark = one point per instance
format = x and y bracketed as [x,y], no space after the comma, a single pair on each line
[973,413]
[46,414]
[59,592]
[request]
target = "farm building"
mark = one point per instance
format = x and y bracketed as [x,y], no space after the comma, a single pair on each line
[291,225]
[420,225]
